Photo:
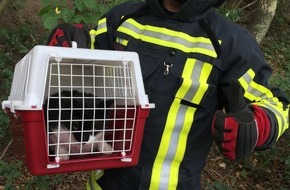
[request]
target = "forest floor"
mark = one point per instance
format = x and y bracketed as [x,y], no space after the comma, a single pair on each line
[260,171]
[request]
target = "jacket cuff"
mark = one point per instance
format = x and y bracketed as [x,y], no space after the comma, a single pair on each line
[267,127]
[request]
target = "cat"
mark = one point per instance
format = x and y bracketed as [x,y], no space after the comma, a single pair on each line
[81,126]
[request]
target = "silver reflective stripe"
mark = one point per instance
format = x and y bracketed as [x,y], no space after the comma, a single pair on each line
[178,124]
[263,97]
[278,114]
[166,166]
[254,91]
[195,77]
[102,25]
[166,37]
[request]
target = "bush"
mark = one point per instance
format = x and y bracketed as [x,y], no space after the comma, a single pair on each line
[85,11]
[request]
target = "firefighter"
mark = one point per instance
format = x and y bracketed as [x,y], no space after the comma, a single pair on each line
[208,79]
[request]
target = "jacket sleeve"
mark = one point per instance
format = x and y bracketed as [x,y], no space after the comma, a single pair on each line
[244,60]
[104,36]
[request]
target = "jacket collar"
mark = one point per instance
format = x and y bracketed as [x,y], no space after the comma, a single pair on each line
[191,10]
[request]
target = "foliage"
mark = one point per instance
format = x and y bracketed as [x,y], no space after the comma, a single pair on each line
[5,74]
[15,42]
[43,182]
[278,53]
[234,14]
[8,4]
[4,132]
[11,172]
[86,12]
[16,5]
[281,78]
[18,40]
[217,186]
[5,78]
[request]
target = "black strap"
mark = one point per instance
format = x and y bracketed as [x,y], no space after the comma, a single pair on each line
[205,26]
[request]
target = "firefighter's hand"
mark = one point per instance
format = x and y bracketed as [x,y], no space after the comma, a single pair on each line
[235,132]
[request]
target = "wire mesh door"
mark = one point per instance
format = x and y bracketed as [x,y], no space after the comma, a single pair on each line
[90,109]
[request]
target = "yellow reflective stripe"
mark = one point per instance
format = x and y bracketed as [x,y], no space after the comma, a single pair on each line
[164,145]
[186,84]
[178,124]
[92,182]
[102,26]
[174,171]
[168,38]
[265,98]
[187,75]
[255,91]
[190,63]
[122,41]
[248,95]
[205,72]
[281,116]
[170,44]
[166,31]
[93,38]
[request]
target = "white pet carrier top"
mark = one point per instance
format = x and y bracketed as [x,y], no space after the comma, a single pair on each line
[31,83]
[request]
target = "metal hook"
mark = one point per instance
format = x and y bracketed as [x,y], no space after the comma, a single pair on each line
[166,72]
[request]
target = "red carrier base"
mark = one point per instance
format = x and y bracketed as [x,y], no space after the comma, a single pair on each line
[39,162]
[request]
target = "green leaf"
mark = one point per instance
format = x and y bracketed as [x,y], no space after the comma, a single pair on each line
[67,15]
[80,5]
[44,10]
[244,174]
[90,3]
[50,22]
[77,18]
[45,3]
[287,162]
[50,13]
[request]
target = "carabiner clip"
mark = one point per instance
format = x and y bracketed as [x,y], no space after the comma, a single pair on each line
[166,71]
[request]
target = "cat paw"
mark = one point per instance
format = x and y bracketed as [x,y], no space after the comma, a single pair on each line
[63,158]
[105,148]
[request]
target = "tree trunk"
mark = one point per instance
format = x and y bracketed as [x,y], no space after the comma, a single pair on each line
[262,17]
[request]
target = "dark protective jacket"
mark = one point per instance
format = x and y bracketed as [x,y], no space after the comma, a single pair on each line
[188,60]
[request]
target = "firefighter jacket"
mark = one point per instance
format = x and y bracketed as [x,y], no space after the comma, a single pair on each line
[188,60]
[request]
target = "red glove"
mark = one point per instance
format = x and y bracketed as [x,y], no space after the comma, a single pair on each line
[243,128]
[65,33]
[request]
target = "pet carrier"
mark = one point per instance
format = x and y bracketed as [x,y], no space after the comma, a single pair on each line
[81,109]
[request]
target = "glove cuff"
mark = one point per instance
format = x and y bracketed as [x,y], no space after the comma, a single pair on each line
[263,125]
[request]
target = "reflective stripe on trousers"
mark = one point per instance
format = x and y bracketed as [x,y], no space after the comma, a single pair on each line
[91,183]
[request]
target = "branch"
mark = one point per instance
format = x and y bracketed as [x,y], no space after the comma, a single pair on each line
[5,150]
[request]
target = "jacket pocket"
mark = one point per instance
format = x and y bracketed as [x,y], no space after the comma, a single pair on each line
[150,60]
[195,94]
